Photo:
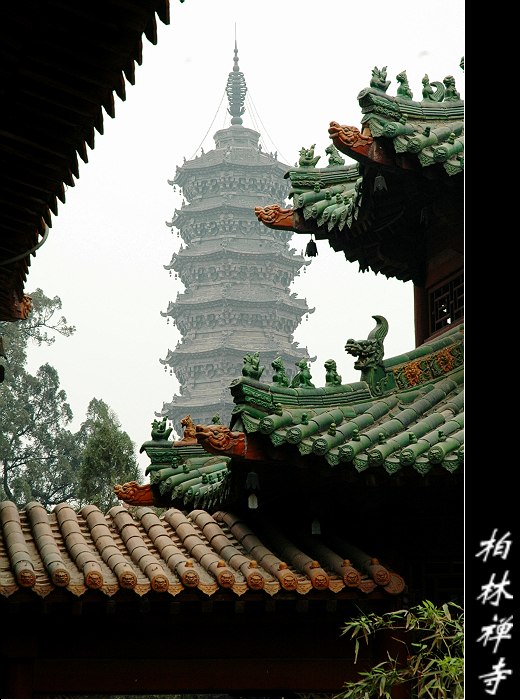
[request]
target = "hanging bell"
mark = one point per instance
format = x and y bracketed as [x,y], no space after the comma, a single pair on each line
[312,249]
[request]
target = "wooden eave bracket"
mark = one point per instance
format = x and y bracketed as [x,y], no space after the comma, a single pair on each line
[273,216]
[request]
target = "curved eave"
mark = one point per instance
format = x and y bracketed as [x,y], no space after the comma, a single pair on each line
[216,161]
[417,425]
[75,82]
[172,554]
[256,297]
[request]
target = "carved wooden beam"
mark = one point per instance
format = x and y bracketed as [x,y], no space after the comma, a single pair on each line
[134,494]
[220,440]
[273,216]
[349,140]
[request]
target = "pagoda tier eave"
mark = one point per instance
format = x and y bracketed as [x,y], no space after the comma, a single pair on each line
[230,351]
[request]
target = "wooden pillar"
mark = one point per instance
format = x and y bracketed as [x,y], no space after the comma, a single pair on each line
[421,315]
[18,678]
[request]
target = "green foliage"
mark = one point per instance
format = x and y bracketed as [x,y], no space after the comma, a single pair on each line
[40,458]
[108,456]
[39,328]
[38,455]
[433,646]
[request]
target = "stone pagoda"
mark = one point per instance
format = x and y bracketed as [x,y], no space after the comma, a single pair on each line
[236,272]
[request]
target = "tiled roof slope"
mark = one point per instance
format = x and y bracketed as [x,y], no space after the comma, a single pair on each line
[374,209]
[406,416]
[175,553]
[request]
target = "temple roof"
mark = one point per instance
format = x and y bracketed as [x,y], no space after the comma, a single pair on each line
[408,177]
[223,158]
[403,421]
[407,418]
[175,553]
[56,82]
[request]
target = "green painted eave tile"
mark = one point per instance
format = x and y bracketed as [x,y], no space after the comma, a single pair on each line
[390,128]
[297,433]
[426,425]
[456,403]
[392,465]
[278,437]
[252,411]
[182,481]
[452,463]
[186,451]
[441,450]
[439,391]
[455,424]
[406,416]
[379,408]
[391,428]
[378,453]
[361,463]
[305,447]
[453,167]
[410,453]
[287,417]
[422,466]
[251,423]
[351,449]
[324,419]
[325,442]
[307,199]
[208,462]
[304,179]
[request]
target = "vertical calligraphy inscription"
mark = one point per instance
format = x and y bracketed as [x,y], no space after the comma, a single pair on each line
[496,593]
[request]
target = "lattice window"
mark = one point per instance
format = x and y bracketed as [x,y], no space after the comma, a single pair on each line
[446,303]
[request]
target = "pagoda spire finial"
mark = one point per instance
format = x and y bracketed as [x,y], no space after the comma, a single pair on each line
[236,89]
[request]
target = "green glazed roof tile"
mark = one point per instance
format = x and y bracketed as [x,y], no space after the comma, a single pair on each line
[395,431]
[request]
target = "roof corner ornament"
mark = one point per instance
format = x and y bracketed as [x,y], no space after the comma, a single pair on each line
[219,439]
[274,216]
[370,354]
[236,90]
[334,156]
[451,92]
[159,430]
[404,88]
[251,367]
[135,494]
[307,158]
[428,92]
[303,377]
[332,378]
[280,376]
[378,79]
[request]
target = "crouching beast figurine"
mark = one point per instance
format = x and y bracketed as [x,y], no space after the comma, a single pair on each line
[219,439]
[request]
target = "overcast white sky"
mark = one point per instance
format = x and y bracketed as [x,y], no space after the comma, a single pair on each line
[304,63]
